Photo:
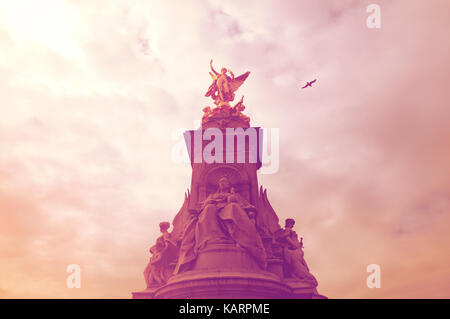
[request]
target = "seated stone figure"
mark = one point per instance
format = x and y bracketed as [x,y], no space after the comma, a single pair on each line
[293,254]
[163,252]
[221,219]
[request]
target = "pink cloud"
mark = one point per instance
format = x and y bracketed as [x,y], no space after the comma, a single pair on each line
[85,133]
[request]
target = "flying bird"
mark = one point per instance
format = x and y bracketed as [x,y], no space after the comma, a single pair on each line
[309,84]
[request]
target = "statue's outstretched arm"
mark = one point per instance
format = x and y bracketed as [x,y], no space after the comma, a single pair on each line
[281,234]
[231,73]
[293,243]
[213,77]
[212,69]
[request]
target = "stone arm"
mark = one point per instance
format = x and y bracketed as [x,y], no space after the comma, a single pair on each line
[294,244]
[284,238]
[281,235]
[231,73]
[204,203]
[246,205]
[212,69]
[213,76]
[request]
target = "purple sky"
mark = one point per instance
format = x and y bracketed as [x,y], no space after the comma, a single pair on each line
[93,92]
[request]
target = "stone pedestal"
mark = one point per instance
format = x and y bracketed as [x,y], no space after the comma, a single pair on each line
[301,290]
[198,261]
[224,257]
[148,293]
[223,285]
[229,285]
[224,271]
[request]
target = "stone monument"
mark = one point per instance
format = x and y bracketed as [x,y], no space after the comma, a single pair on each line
[226,241]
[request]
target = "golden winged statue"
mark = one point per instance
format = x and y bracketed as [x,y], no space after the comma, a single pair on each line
[223,87]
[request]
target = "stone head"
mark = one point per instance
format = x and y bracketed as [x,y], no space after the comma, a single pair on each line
[164,226]
[289,223]
[224,183]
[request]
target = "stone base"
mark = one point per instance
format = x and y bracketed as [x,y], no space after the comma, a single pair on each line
[223,285]
[224,271]
[148,293]
[225,258]
[230,285]
[302,290]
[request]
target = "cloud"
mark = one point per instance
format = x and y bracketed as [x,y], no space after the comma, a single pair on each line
[90,99]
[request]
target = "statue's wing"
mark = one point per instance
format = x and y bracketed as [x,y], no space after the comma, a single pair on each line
[212,88]
[181,219]
[237,82]
[267,219]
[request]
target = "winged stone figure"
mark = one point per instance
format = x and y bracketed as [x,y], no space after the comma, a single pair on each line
[223,87]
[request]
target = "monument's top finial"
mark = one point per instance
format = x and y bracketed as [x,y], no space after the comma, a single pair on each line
[222,92]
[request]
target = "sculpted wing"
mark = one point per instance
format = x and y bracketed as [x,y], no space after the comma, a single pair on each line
[237,82]
[267,219]
[181,219]
[212,88]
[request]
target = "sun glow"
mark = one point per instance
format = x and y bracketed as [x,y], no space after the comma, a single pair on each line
[51,23]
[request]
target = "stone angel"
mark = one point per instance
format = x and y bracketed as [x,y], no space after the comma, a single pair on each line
[223,87]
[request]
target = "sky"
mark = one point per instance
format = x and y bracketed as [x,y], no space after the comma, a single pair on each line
[94,94]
